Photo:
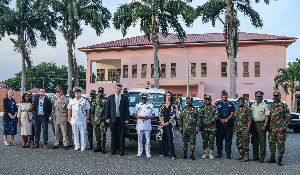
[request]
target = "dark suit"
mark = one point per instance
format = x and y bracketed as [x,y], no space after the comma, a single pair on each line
[42,120]
[117,124]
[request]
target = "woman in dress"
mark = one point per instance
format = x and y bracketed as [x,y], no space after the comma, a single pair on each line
[25,119]
[165,133]
[33,128]
[9,118]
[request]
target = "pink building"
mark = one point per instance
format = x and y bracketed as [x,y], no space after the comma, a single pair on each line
[129,62]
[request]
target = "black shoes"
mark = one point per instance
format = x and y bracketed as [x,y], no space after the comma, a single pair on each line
[55,147]
[98,149]
[184,154]
[272,159]
[280,161]
[219,156]
[192,156]
[229,157]
[103,148]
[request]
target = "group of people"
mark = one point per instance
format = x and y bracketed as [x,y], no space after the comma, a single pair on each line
[78,116]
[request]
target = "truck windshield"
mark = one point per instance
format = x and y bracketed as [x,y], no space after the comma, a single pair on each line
[196,103]
[155,98]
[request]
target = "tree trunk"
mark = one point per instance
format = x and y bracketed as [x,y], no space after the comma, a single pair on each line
[154,39]
[75,70]
[23,81]
[232,68]
[70,63]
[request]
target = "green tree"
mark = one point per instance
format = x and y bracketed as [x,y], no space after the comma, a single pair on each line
[25,22]
[71,14]
[154,16]
[214,10]
[287,78]
[47,75]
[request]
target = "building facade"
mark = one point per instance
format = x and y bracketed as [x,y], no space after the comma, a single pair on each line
[130,62]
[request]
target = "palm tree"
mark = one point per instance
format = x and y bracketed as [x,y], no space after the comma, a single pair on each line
[213,10]
[71,14]
[287,78]
[154,16]
[23,24]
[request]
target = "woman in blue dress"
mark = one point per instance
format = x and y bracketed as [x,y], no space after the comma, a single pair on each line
[9,118]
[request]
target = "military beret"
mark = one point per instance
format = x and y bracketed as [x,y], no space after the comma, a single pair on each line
[144,95]
[241,98]
[259,94]
[93,91]
[100,89]
[207,96]
[224,92]
[276,94]
[189,98]
[71,90]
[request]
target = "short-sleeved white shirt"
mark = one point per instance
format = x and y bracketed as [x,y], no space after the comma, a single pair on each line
[78,110]
[144,110]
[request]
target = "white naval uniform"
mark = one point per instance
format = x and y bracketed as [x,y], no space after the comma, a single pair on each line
[143,127]
[78,121]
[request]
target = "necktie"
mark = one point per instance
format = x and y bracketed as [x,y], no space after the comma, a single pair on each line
[118,106]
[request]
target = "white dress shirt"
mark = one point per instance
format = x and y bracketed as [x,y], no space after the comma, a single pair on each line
[144,110]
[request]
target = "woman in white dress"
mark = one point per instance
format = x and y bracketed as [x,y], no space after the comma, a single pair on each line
[25,119]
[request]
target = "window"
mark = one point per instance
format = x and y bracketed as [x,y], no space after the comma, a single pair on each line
[245,69]
[144,71]
[114,75]
[193,95]
[101,75]
[193,69]
[173,70]
[236,70]
[257,69]
[224,69]
[125,71]
[175,97]
[246,96]
[110,74]
[203,70]
[163,70]
[152,70]
[134,71]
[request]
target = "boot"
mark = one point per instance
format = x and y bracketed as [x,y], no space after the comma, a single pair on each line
[98,149]
[103,148]
[272,159]
[240,157]
[91,145]
[184,154]
[211,154]
[204,154]
[192,156]
[246,157]
[280,161]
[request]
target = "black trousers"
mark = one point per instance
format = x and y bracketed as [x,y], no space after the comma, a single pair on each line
[41,122]
[167,142]
[224,132]
[117,130]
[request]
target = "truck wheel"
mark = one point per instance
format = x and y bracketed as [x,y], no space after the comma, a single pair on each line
[296,129]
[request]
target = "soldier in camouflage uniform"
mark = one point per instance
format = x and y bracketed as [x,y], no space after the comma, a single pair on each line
[279,120]
[98,120]
[208,116]
[189,124]
[90,125]
[242,123]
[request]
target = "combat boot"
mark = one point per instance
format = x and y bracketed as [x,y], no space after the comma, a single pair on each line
[98,149]
[204,154]
[91,145]
[211,154]
[192,156]
[246,158]
[184,154]
[272,159]
[280,161]
[240,157]
[103,148]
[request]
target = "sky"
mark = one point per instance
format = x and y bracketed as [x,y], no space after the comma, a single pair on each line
[280,18]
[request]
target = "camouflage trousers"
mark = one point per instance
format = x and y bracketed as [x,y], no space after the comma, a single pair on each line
[100,132]
[279,138]
[90,132]
[242,143]
[188,136]
[208,138]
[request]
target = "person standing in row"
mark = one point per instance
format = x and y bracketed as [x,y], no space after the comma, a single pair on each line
[98,119]
[189,127]
[165,132]
[279,120]
[9,118]
[90,125]
[144,112]
[224,125]
[117,115]
[42,109]
[25,119]
[208,117]
[79,117]
[260,117]
[60,118]
[242,123]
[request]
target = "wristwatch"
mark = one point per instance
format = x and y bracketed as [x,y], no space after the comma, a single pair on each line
[265,124]
[226,120]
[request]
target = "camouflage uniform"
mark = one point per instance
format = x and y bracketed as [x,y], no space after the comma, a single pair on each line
[208,114]
[98,119]
[90,130]
[280,118]
[242,116]
[189,122]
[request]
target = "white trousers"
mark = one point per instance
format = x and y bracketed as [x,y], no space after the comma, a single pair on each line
[141,134]
[79,129]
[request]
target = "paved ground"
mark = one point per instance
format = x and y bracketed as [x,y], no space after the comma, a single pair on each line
[17,160]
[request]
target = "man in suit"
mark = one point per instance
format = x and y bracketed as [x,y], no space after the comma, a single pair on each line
[42,109]
[117,114]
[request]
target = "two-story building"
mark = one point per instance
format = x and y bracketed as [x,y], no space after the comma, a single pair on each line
[130,62]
